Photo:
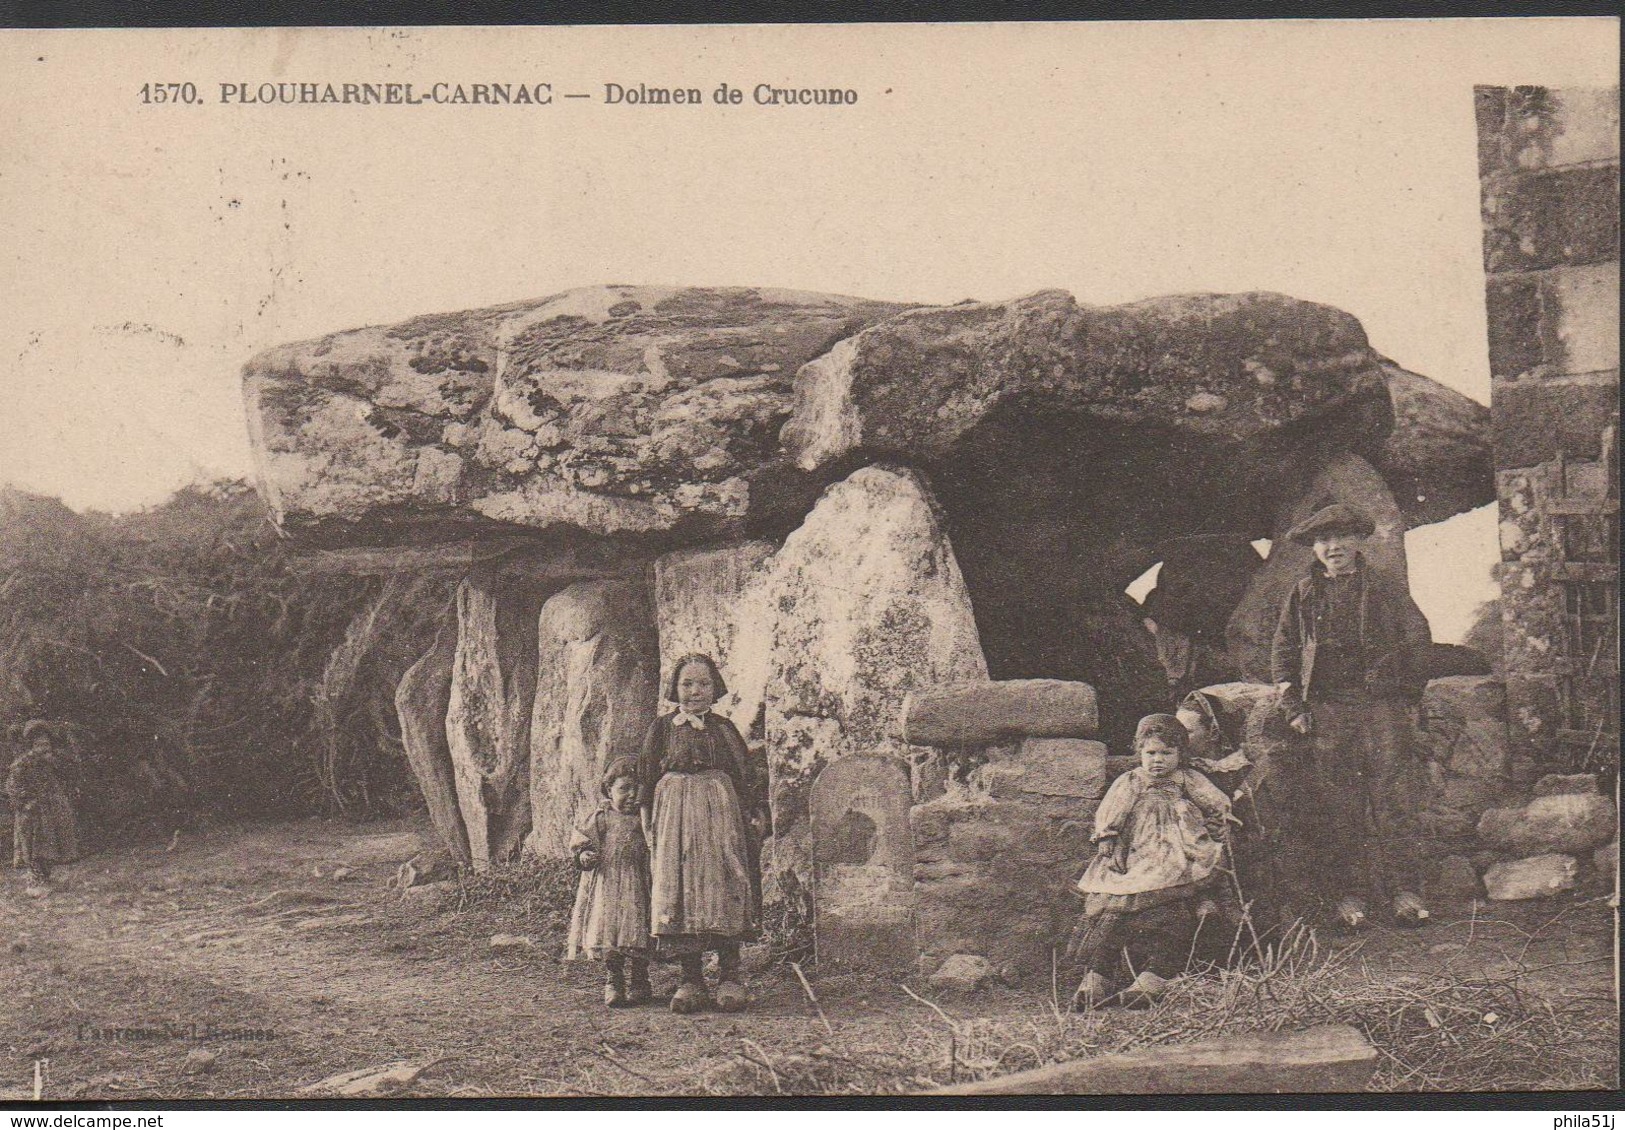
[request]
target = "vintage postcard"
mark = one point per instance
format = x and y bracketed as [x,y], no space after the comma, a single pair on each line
[772,561]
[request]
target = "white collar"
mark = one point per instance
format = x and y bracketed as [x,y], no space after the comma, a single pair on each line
[684,718]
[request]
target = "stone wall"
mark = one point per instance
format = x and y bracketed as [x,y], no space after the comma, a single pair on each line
[997,860]
[1549,169]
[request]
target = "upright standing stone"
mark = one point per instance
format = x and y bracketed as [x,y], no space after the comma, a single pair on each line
[422,699]
[863,858]
[1344,478]
[597,682]
[493,685]
[866,604]
[705,601]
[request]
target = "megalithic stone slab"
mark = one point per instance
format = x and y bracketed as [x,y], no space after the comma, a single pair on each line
[597,682]
[1333,1058]
[863,865]
[493,689]
[977,714]
[421,700]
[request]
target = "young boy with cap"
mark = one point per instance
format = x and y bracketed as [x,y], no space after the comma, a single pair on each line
[1347,676]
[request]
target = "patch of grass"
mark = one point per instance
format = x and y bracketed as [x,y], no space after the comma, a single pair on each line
[1437,1030]
[535,887]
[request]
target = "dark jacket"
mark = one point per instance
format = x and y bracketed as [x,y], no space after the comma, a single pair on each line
[1390,669]
[718,746]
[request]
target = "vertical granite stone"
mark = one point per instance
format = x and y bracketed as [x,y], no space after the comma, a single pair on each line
[862,605]
[422,700]
[493,687]
[705,601]
[597,682]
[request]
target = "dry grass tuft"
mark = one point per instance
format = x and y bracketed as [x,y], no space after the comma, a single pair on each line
[1435,1030]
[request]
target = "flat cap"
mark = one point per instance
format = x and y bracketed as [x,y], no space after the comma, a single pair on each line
[1338,518]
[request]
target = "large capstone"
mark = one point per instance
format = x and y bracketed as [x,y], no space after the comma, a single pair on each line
[597,676]
[1070,447]
[613,410]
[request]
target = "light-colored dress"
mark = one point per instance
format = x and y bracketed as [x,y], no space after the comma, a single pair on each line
[612,899]
[1161,839]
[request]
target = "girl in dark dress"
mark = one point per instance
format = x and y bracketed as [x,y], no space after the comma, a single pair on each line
[693,772]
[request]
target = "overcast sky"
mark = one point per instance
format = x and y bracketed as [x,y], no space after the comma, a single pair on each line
[148,250]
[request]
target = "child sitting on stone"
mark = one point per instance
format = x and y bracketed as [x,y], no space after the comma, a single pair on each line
[611,918]
[1158,838]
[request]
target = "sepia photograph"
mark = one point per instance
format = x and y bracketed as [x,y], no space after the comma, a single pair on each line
[774,562]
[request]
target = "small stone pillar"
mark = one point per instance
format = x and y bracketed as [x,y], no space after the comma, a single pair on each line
[863,866]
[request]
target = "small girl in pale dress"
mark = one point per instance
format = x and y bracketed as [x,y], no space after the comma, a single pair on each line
[611,918]
[1159,835]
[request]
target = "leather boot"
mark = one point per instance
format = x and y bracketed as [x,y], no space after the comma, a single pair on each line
[638,989]
[615,981]
[731,996]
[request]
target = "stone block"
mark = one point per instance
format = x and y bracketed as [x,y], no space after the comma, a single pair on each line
[1331,1059]
[1464,696]
[597,683]
[1513,305]
[1534,420]
[1606,860]
[422,699]
[1490,111]
[1566,822]
[493,691]
[973,842]
[961,973]
[863,605]
[1551,219]
[1540,876]
[1557,784]
[1532,710]
[863,860]
[987,713]
[929,823]
[1582,313]
[1069,768]
[1466,722]
[1580,125]
[1471,796]
[700,605]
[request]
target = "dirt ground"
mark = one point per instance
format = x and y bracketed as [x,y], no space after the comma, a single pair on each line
[238,942]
